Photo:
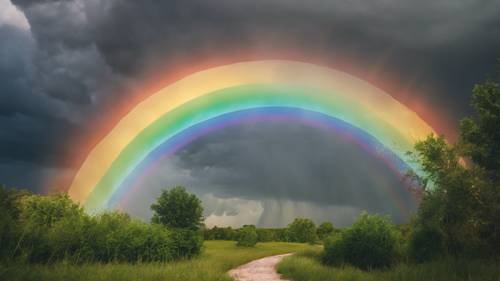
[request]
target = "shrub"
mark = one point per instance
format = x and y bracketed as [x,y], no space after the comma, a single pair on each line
[247,236]
[334,249]
[187,243]
[324,230]
[369,243]
[45,229]
[9,215]
[425,244]
[302,230]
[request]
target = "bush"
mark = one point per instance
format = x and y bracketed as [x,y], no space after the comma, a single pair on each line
[247,236]
[369,243]
[334,249]
[425,244]
[187,243]
[302,230]
[46,229]
[324,230]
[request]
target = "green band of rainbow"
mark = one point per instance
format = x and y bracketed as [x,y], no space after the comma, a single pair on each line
[267,84]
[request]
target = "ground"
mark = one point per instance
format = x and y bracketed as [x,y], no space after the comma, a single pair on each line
[263,269]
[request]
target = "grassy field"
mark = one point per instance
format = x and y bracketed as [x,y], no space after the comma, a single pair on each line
[217,258]
[306,266]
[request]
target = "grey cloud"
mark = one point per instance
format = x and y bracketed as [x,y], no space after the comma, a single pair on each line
[294,170]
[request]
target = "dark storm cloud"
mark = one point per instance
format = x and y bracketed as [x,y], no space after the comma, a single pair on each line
[78,55]
[280,163]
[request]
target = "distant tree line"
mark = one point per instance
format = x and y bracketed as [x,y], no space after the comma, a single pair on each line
[301,230]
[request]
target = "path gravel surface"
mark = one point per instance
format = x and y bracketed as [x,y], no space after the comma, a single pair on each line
[263,269]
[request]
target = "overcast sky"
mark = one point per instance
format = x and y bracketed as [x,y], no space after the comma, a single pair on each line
[64,64]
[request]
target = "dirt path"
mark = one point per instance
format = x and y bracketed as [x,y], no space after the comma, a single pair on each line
[258,270]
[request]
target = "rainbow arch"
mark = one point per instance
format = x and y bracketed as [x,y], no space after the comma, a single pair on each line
[291,87]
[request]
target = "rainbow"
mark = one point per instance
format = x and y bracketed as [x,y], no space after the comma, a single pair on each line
[213,98]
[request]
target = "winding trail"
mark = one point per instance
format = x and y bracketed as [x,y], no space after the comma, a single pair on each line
[263,269]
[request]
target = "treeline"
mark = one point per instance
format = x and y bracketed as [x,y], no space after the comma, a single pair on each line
[301,230]
[45,229]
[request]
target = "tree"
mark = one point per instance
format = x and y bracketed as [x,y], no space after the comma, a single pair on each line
[302,230]
[325,229]
[463,201]
[175,208]
[247,236]
[480,134]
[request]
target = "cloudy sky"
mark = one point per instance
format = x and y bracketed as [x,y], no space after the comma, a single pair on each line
[65,64]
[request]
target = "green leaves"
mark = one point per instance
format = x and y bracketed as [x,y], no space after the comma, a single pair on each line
[175,208]
[302,230]
[247,236]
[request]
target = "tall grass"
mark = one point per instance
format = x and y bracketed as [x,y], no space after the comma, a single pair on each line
[217,258]
[306,266]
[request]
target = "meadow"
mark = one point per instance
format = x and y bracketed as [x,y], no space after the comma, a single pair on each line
[216,259]
[307,266]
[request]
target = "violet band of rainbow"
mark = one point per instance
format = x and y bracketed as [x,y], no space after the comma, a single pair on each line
[336,127]
[252,85]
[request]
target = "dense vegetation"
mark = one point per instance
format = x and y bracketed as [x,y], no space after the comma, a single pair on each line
[301,230]
[460,211]
[247,236]
[455,234]
[308,266]
[212,265]
[45,229]
[370,242]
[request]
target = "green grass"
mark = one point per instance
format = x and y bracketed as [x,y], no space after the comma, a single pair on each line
[217,258]
[306,266]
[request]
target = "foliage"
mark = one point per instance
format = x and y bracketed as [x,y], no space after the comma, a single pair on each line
[306,265]
[46,229]
[463,200]
[187,243]
[324,230]
[266,235]
[369,243]
[334,249]
[219,233]
[302,230]
[247,236]
[9,215]
[212,265]
[425,244]
[228,233]
[176,208]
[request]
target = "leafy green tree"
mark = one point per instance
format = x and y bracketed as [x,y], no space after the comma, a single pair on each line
[302,230]
[463,199]
[247,236]
[176,208]
[9,215]
[425,244]
[325,229]
[480,134]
